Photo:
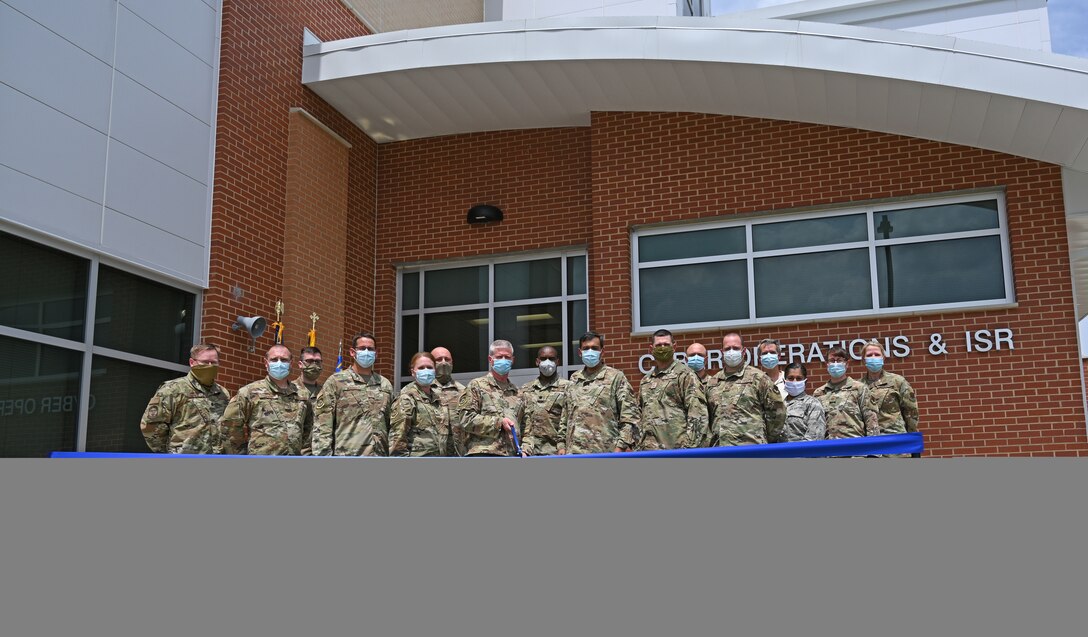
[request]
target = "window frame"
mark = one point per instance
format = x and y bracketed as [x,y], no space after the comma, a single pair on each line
[871,244]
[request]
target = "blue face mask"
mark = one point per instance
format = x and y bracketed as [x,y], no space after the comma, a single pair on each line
[591,357]
[696,362]
[365,358]
[769,361]
[425,376]
[837,370]
[279,369]
[874,364]
[502,366]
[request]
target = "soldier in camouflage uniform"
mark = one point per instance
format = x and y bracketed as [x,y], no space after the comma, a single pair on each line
[418,422]
[490,407]
[268,417]
[845,401]
[183,415]
[769,349]
[601,414]
[696,361]
[544,399]
[804,413]
[449,392]
[671,400]
[890,395]
[745,407]
[351,413]
[308,382]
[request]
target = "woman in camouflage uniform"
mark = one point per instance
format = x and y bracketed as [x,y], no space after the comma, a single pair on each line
[890,395]
[418,423]
[805,418]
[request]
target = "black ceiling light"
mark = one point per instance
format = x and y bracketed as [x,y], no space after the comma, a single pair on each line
[483,213]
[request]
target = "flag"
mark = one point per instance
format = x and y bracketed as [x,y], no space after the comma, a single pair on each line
[340,356]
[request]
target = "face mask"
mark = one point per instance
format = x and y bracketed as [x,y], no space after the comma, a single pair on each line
[663,353]
[795,387]
[696,362]
[547,368]
[365,358]
[874,364]
[769,361]
[837,370]
[205,374]
[279,369]
[311,371]
[424,376]
[591,357]
[733,357]
[502,366]
[443,371]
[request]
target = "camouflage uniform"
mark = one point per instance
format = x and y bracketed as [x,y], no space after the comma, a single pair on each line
[448,394]
[309,392]
[264,420]
[601,414]
[805,419]
[419,424]
[483,405]
[183,417]
[745,409]
[351,415]
[544,400]
[674,411]
[893,400]
[780,385]
[846,409]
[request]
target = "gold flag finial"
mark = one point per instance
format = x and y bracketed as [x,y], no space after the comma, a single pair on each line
[277,327]
[313,329]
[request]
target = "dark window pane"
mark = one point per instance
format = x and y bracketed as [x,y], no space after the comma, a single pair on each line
[44,291]
[463,333]
[576,275]
[914,222]
[528,279]
[530,327]
[409,341]
[456,286]
[809,232]
[135,315]
[694,293]
[688,245]
[578,324]
[813,283]
[120,392]
[957,270]
[409,294]
[39,398]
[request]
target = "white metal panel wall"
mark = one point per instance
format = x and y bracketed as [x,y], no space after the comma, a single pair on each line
[536,9]
[107,116]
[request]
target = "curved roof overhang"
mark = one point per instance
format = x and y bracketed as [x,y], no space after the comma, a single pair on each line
[546,73]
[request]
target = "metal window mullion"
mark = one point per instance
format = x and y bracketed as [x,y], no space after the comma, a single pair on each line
[128,357]
[874,281]
[42,339]
[827,247]
[563,337]
[1006,250]
[945,236]
[88,357]
[714,258]
[751,266]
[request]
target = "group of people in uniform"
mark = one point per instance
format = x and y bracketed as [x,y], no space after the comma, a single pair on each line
[679,404]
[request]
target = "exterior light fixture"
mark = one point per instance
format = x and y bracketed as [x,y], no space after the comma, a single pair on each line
[484,213]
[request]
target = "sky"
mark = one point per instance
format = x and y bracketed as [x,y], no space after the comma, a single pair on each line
[1068,21]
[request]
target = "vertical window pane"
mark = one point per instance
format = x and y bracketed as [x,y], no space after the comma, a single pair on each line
[695,293]
[809,232]
[528,279]
[530,327]
[957,217]
[953,271]
[39,398]
[688,245]
[456,286]
[409,292]
[120,392]
[578,321]
[813,283]
[44,290]
[576,275]
[135,315]
[464,333]
[409,341]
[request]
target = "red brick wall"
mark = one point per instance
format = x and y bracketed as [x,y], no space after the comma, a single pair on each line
[260,71]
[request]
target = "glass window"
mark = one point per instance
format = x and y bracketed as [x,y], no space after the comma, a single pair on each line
[120,391]
[143,317]
[694,293]
[409,295]
[455,286]
[576,275]
[528,279]
[39,398]
[463,333]
[578,318]
[409,340]
[530,327]
[953,271]
[45,290]
[957,217]
[809,232]
[813,283]
[691,244]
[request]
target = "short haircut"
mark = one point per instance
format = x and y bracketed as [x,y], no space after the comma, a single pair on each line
[202,347]
[355,339]
[737,334]
[500,344]
[290,354]
[660,332]
[540,352]
[874,343]
[310,350]
[838,352]
[797,365]
[771,341]
[419,355]
[589,336]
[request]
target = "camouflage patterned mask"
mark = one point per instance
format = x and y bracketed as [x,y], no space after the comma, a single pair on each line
[443,371]
[205,374]
[311,371]
[663,353]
